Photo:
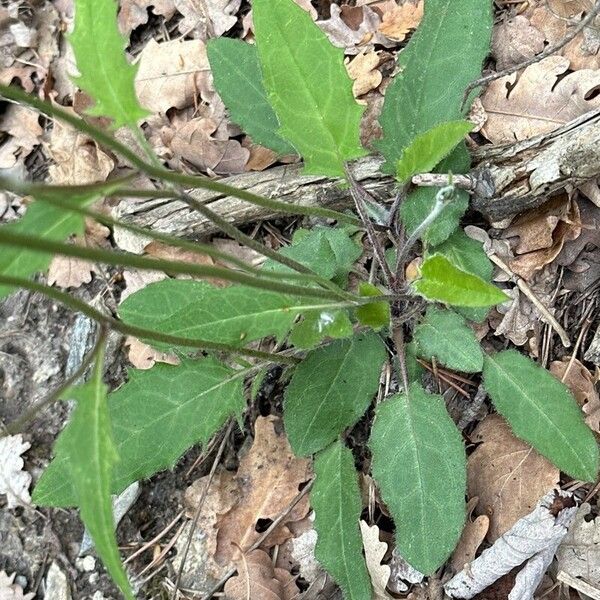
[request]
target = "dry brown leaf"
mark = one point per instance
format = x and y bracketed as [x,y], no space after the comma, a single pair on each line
[196,143]
[364,73]
[515,41]
[209,18]
[269,478]
[69,271]
[542,233]
[374,553]
[471,538]
[260,157]
[172,74]
[10,590]
[400,20]
[133,13]
[507,475]
[23,127]
[248,255]
[257,578]
[142,356]
[77,159]
[582,384]
[538,101]
[136,280]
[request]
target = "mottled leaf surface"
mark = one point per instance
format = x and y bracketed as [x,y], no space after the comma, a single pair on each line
[336,500]
[238,79]
[419,465]
[156,416]
[330,390]
[541,410]
[308,87]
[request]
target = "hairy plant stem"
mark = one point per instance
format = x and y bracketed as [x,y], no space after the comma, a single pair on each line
[28,416]
[139,332]
[35,244]
[158,171]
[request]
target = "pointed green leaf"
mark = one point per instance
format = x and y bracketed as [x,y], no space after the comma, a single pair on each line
[427,149]
[87,445]
[328,251]
[319,325]
[106,75]
[375,314]
[156,416]
[47,222]
[308,87]
[541,410]
[414,370]
[419,465]
[442,281]
[196,309]
[335,498]
[238,79]
[446,336]
[468,255]
[452,39]
[330,390]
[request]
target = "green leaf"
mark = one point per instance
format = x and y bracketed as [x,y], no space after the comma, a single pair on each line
[446,336]
[87,445]
[375,314]
[541,410]
[468,255]
[414,370]
[308,87]
[443,56]
[427,149]
[196,309]
[419,464]
[106,75]
[421,201]
[442,281]
[156,416]
[318,325]
[46,221]
[238,79]
[330,390]
[328,251]
[335,498]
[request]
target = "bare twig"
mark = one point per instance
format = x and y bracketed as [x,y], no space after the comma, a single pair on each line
[579,585]
[200,505]
[549,51]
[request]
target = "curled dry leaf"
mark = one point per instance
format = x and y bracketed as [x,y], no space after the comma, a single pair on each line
[537,101]
[269,478]
[257,578]
[142,356]
[364,73]
[583,386]
[507,475]
[579,553]
[14,482]
[9,590]
[532,542]
[172,74]
[374,553]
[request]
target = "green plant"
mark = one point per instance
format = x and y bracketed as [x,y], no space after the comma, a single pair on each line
[298,100]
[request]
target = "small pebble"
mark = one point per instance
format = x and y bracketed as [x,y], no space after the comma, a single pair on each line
[87,564]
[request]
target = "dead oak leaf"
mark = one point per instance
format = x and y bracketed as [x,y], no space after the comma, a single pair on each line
[269,477]
[9,590]
[133,13]
[69,271]
[374,553]
[172,74]
[258,578]
[363,71]
[23,127]
[401,20]
[207,18]
[515,41]
[538,101]
[14,481]
[507,475]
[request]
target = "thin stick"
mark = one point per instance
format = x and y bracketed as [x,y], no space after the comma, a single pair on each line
[359,202]
[54,396]
[398,337]
[484,81]
[200,505]
[262,537]
[579,585]
[524,287]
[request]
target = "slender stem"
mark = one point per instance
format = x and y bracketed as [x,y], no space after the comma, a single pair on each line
[139,332]
[35,244]
[398,337]
[18,424]
[361,209]
[50,194]
[13,93]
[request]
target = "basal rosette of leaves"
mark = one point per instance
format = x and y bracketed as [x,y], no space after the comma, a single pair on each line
[299,100]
